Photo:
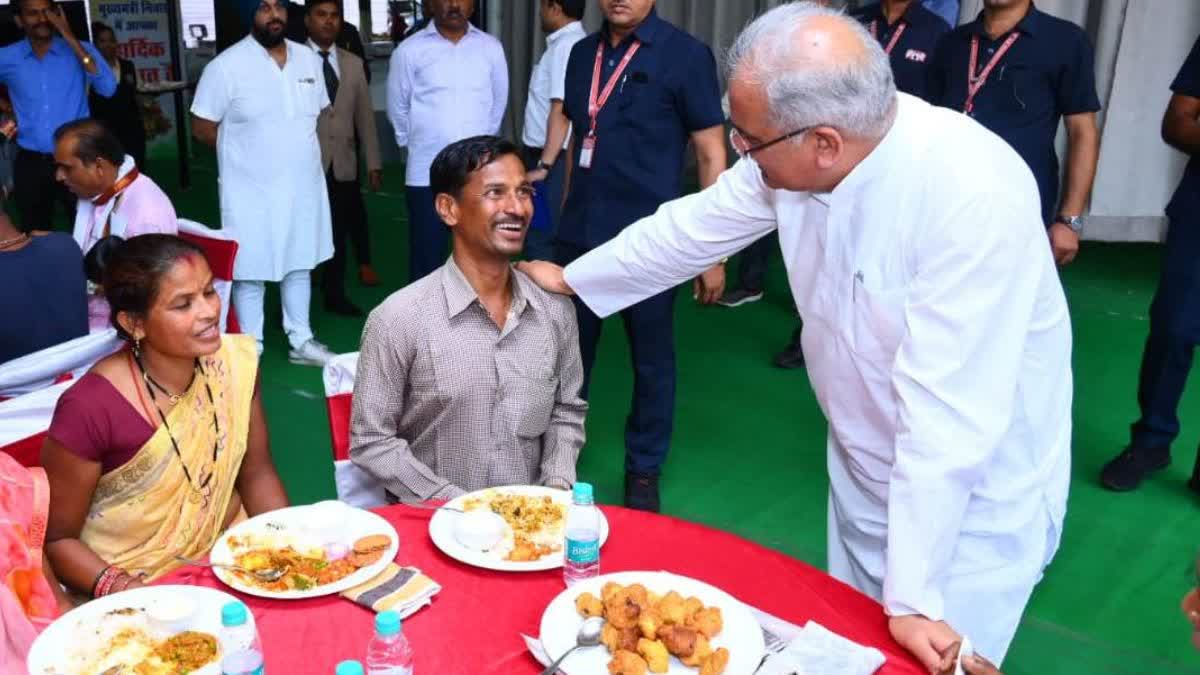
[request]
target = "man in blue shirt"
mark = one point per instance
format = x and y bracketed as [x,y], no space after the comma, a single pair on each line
[1030,71]
[1175,311]
[908,33]
[47,77]
[636,93]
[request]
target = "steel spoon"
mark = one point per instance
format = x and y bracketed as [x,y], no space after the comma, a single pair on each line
[269,575]
[589,636]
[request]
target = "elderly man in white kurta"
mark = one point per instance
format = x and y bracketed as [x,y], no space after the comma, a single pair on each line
[258,103]
[935,327]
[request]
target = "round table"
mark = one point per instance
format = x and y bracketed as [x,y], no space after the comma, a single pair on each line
[474,623]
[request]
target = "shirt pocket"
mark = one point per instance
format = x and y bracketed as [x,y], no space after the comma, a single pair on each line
[308,96]
[1024,90]
[876,321]
[532,400]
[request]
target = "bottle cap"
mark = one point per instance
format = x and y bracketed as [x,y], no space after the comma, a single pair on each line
[387,623]
[583,492]
[349,668]
[233,614]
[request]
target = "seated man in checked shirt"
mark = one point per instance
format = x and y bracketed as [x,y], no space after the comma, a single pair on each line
[469,378]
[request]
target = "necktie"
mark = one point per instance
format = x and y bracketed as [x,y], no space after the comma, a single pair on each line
[331,80]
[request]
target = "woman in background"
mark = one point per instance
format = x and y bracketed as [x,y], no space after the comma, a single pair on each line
[122,112]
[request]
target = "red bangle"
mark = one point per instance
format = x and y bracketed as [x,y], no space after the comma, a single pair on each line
[107,580]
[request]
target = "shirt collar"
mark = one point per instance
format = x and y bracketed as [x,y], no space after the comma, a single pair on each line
[317,48]
[460,295]
[430,30]
[880,160]
[876,13]
[1030,24]
[57,45]
[646,32]
[127,165]
[573,27]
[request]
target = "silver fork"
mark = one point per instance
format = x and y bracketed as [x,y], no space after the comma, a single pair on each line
[774,644]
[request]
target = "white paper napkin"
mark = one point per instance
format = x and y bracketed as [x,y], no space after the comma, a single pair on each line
[818,651]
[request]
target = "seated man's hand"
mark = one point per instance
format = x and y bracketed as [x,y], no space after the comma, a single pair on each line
[926,639]
[547,275]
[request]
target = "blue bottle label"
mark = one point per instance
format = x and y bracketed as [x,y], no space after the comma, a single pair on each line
[583,551]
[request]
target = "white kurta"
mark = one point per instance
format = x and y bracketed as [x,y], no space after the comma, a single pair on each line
[938,344]
[273,197]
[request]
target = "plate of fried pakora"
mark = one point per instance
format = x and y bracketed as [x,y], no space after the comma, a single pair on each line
[530,531]
[654,622]
[320,549]
[125,633]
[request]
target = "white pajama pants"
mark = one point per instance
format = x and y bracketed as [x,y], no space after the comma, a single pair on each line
[295,292]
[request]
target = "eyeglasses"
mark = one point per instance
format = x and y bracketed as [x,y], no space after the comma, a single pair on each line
[743,148]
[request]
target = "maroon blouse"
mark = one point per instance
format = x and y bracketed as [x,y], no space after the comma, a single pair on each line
[95,422]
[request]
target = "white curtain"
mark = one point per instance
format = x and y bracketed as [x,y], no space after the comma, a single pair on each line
[1140,45]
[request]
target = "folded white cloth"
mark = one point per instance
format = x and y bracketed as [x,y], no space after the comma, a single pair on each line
[818,651]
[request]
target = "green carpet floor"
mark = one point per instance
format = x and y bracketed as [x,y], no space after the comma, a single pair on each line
[749,449]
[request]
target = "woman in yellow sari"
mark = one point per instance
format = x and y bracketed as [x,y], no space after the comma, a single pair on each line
[162,446]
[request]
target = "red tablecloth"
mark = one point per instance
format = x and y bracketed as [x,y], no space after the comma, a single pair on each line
[473,625]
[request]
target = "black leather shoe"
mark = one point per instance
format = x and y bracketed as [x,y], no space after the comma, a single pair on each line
[792,356]
[342,306]
[1127,470]
[641,492]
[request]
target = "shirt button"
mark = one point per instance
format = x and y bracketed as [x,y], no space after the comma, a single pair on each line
[991,50]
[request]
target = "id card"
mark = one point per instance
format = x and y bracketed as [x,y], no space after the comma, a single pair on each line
[586,152]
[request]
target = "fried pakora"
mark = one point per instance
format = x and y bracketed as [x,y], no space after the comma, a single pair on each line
[680,640]
[672,608]
[700,653]
[643,630]
[589,605]
[707,621]
[627,663]
[649,622]
[658,660]
[716,664]
[622,609]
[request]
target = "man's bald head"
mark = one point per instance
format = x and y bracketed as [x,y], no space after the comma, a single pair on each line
[816,66]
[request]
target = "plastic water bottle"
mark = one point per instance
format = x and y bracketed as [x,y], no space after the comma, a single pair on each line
[582,549]
[349,668]
[239,642]
[388,652]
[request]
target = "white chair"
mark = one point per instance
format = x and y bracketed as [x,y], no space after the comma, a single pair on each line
[221,251]
[354,486]
[24,421]
[64,361]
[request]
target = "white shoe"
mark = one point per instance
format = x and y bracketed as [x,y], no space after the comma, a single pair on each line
[311,353]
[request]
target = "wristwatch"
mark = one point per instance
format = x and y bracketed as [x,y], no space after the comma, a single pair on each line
[1073,222]
[541,164]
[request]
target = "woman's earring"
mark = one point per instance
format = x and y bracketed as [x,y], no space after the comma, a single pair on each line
[137,347]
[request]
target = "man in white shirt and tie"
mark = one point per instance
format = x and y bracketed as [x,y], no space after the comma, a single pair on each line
[546,127]
[257,103]
[446,82]
[935,327]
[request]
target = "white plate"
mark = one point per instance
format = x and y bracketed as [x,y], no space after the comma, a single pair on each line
[63,639]
[441,530]
[308,523]
[741,634]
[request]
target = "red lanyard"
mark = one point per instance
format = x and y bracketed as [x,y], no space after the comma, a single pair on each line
[117,190]
[976,82]
[895,36]
[597,99]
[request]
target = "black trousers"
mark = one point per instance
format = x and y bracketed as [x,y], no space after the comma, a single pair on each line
[349,215]
[36,191]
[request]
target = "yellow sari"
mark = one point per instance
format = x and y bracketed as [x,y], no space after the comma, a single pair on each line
[145,512]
